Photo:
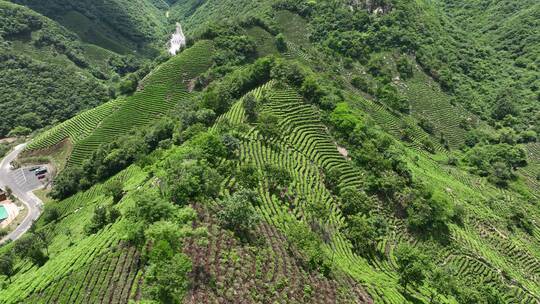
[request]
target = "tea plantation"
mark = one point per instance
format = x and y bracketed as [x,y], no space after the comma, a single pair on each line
[301,152]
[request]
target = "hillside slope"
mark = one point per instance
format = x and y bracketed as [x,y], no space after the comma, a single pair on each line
[120,26]
[32,50]
[300,152]
[72,60]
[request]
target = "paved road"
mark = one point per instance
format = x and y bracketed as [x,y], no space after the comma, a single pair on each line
[22,183]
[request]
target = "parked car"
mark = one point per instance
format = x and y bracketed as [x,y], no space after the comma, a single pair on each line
[41,171]
[34,169]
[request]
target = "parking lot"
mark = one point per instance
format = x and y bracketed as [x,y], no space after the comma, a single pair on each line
[27,179]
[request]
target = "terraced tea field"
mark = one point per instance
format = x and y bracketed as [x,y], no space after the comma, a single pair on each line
[101,269]
[110,277]
[531,173]
[76,128]
[81,269]
[303,150]
[332,170]
[429,102]
[41,281]
[268,275]
[305,147]
[161,91]
[482,248]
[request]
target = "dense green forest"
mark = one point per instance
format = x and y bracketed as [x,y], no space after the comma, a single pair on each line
[295,151]
[64,57]
[118,25]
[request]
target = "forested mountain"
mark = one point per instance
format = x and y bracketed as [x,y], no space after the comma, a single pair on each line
[118,25]
[507,32]
[338,151]
[61,57]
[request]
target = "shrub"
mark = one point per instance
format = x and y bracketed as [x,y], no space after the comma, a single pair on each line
[277,177]
[378,67]
[101,217]
[300,237]
[520,219]
[311,89]
[237,213]
[281,44]
[496,161]
[428,213]
[250,105]
[525,136]
[167,281]
[364,232]
[405,67]
[268,125]
[128,85]
[19,131]
[428,145]
[332,178]
[31,246]
[287,72]
[50,213]
[412,266]
[189,180]
[426,125]
[115,189]
[391,97]
[361,83]
[355,201]
[344,119]
[67,183]
[505,104]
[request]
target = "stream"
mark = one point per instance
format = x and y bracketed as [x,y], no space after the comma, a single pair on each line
[178,40]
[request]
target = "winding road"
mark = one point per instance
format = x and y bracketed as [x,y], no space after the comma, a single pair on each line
[22,191]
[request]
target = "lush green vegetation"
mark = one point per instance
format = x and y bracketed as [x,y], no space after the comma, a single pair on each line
[298,152]
[34,93]
[52,69]
[119,26]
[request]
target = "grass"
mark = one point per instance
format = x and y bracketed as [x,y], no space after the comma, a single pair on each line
[42,194]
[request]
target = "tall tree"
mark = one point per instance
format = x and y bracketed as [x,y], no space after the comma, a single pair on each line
[412,266]
[7,267]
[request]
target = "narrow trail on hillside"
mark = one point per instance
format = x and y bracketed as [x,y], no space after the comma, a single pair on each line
[178,40]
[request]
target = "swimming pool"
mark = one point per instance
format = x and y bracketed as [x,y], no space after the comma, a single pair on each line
[3,213]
